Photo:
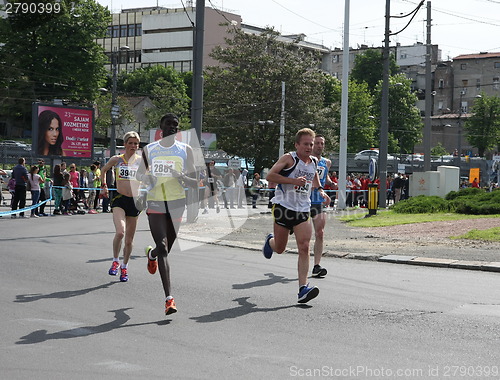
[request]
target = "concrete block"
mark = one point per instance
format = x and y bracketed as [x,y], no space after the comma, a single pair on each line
[398,259]
[432,262]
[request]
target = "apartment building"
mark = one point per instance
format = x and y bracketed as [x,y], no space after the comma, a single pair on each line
[163,36]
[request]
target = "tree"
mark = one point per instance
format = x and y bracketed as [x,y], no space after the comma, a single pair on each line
[166,88]
[51,55]
[405,122]
[368,68]
[483,127]
[245,88]
[361,124]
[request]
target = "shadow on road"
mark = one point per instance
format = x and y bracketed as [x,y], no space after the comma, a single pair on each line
[245,308]
[121,318]
[61,295]
[273,279]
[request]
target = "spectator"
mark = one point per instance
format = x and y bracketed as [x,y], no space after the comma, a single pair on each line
[42,172]
[97,183]
[74,179]
[475,183]
[257,185]
[230,187]
[240,188]
[11,186]
[34,180]
[92,190]
[57,189]
[20,174]
[67,193]
[83,184]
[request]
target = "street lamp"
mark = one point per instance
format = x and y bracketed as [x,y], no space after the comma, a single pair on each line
[115,110]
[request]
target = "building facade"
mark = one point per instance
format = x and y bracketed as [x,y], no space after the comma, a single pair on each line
[163,36]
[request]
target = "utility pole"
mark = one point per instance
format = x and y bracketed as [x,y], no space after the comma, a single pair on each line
[384,115]
[342,179]
[428,94]
[197,95]
[282,121]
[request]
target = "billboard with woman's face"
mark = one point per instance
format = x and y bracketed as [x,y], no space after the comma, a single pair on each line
[63,131]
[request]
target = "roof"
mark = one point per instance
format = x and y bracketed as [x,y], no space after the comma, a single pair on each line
[477,56]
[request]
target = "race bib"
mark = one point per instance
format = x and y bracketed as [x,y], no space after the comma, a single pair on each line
[127,172]
[161,168]
[303,189]
[321,171]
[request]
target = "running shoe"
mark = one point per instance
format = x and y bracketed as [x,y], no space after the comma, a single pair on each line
[319,271]
[307,293]
[114,268]
[170,307]
[267,251]
[123,275]
[152,264]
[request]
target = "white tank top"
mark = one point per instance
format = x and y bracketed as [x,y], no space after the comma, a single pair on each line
[293,197]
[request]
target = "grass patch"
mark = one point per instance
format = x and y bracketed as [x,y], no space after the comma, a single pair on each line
[491,234]
[390,218]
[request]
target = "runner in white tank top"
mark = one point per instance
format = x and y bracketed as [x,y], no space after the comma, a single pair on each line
[295,173]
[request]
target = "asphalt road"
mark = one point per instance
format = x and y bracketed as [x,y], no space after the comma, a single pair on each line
[63,316]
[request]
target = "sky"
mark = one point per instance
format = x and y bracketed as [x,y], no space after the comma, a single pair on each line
[458,26]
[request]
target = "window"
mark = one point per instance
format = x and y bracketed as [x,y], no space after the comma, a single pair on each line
[463,107]
[497,65]
[441,83]
[138,29]
[131,30]
[116,31]
[463,66]
[478,84]
[123,30]
[496,83]
[440,105]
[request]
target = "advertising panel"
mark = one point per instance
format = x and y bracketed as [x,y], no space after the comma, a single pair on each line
[63,131]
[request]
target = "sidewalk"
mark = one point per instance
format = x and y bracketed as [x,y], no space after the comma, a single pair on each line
[248,229]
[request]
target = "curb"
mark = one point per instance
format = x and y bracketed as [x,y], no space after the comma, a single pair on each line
[395,259]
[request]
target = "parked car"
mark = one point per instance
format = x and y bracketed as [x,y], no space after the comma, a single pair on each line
[10,148]
[415,157]
[363,157]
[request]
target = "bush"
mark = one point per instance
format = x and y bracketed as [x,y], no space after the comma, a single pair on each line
[467,192]
[421,205]
[482,203]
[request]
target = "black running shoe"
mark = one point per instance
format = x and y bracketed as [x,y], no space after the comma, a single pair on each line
[319,271]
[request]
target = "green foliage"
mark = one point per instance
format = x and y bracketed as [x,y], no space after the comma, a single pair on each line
[405,122]
[48,56]
[483,127]
[439,150]
[482,203]
[471,201]
[362,125]
[165,86]
[421,204]
[245,88]
[467,192]
[368,68]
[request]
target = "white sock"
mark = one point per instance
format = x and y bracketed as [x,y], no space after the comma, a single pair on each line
[124,266]
[116,260]
[168,298]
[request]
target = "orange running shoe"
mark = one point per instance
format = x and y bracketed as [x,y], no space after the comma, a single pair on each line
[170,307]
[152,264]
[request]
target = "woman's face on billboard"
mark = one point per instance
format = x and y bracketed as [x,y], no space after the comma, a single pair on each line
[52,132]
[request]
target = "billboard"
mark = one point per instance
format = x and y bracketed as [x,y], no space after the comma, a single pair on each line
[62,131]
